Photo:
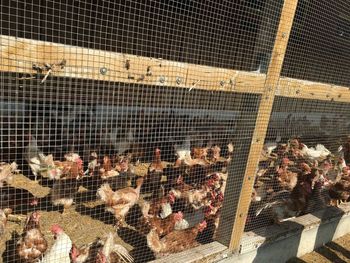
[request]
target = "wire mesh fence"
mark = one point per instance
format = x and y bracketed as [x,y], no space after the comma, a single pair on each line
[127,155]
[303,166]
[129,130]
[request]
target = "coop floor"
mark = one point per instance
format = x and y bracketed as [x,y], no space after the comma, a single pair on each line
[337,251]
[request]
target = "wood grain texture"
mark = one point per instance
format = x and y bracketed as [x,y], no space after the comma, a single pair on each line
[19,55]
[263,117]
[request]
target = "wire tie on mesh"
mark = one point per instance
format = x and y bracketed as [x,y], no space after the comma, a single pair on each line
[194,85]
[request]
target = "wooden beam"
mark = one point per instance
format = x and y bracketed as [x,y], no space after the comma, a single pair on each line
[302,89]
[19,55]
[263,117]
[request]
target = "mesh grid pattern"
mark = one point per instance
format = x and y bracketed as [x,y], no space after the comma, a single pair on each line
[65,90]
[132,126]
[318,43]
[304,163]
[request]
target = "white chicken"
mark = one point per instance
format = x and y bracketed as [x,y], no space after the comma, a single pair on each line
[270,146]
[39,163]
[60,251]
[112,252]
[183,151]
[319,153]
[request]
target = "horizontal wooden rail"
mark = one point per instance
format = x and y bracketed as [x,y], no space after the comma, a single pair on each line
[19,55]
[296,88]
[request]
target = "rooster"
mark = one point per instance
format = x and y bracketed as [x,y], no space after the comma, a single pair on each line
[176,241]
[32,245]
[220,162]
[60,251]
[120,202]
[100,252]
[318,199]
[6,172]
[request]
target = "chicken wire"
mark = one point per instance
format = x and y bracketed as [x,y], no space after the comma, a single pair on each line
[323,128]
[304,163]
[120,129]
[318,45]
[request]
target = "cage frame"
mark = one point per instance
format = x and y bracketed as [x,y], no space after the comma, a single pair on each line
[18,55]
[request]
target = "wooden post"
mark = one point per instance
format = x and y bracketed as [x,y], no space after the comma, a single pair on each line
[263,117]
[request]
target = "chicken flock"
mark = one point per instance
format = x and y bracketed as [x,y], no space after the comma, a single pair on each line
[293,179]
[174,202]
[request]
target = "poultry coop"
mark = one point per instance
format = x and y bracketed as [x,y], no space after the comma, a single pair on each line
[169,131]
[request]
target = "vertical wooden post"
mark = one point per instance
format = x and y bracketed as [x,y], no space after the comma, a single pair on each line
[263,117]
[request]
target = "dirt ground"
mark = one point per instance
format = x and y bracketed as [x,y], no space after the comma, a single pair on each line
[83,222]
[337,251]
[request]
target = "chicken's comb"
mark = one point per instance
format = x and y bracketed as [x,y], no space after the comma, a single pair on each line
[56,228]
[203,224]
[179,216]
[216,176]
[285,160]
[157,150]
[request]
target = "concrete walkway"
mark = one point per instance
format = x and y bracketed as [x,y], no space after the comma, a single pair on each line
[337,251]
